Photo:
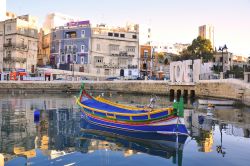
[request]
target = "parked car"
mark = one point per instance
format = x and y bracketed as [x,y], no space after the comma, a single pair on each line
[112,78]
[59,79]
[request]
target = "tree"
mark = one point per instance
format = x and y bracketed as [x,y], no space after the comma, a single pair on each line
[200,48]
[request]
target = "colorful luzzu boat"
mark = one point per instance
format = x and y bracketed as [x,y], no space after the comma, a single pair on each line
[112,115]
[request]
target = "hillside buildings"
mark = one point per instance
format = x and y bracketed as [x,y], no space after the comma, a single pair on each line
[207,32]
[18,44]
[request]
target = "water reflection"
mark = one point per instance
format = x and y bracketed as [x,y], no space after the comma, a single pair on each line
[60,133]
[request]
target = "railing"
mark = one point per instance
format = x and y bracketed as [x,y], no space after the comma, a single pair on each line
[16,45]
[14,59]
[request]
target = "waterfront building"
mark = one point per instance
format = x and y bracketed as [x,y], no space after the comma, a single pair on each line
[18,44]
[43,56]
[175,49]
[54,20]
[115,50]
[146,60]
[2,10]
[70,46]
[207,32]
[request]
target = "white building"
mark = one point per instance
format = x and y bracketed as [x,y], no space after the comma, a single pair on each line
[2,10]
[115,51]
[207,32]
[54,20]
[176,48]
[18,44]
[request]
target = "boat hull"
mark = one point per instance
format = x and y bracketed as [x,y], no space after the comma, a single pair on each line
[169,126]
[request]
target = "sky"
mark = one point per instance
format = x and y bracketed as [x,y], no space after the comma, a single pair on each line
[171,21]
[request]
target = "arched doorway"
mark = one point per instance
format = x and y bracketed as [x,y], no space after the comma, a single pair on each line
[192,94]
[68,59]
[171,95]
[122,72]
[178,94]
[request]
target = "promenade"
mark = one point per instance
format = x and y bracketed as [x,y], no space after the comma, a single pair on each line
[227,88]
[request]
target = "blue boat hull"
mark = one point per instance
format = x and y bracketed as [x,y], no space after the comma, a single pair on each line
[175,125]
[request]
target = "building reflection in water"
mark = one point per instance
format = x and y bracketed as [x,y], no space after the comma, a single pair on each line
[58,131]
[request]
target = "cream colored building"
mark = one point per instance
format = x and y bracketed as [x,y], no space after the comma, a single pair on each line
[43,57]
[114,50]
[207,32]
[18,43]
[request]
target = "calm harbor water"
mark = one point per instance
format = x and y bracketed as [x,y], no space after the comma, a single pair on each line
[61,137]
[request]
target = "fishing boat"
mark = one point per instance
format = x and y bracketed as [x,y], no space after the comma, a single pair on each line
[106,113]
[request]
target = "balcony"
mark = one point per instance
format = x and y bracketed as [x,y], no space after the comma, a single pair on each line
[132,66]
[20,46]
[14,59]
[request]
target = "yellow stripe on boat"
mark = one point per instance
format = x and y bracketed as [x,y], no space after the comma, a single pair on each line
[119,105]
[153,111]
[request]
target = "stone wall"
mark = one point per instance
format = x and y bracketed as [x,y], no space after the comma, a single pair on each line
[229,89]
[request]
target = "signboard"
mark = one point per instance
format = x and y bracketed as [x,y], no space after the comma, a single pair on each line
[87,22]
[185,71]
[190,71]
[20,70]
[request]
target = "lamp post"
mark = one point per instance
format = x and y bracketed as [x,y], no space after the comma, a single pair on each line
[222,49]
[73,69]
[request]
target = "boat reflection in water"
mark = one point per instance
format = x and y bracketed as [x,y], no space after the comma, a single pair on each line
[162,145]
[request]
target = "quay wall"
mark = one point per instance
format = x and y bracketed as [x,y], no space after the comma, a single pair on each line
[228,88]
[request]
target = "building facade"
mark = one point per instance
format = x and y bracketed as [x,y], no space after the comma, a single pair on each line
[207,32]
[145,60]
[70,46]
[115,50]
[43,57]
[18,44]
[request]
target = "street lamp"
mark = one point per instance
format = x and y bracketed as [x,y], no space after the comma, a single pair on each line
[73,69]
[222,49]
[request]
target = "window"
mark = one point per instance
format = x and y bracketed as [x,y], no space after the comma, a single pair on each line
[66,49]
[145,53]
[22,42]
[74,49]
[22,30]
[98,47]
[122,35]
[74,57]
[71,34]
[8,53]
[130,49]
[110,34]
[8,40]
[98,71]
[114,47]
[134,37]
[32,32]
[82,48]
[83,33]
[63,58]
[116,34]
[130,73]
[82,59]
[8,28]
